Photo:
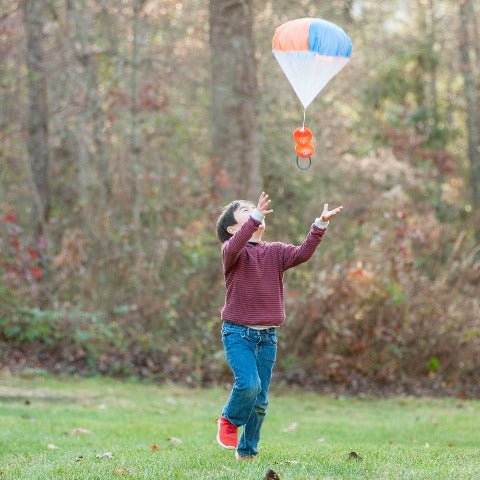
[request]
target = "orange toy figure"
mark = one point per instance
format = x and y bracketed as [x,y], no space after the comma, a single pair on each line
[303,136]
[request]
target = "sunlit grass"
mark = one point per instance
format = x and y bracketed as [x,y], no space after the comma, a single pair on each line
[305,436]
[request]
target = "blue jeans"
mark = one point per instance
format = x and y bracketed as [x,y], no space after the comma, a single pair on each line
[251,354]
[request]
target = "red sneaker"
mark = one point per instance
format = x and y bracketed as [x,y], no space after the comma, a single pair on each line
[227,433]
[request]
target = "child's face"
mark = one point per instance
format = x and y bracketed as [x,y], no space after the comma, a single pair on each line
[242,214]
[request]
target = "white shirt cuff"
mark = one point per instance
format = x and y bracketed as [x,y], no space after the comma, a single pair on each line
[320,224]
[257,215]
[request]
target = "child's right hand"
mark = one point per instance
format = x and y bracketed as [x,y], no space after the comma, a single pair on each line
[263,204]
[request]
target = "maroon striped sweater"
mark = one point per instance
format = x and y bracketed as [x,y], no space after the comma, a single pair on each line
[254,275]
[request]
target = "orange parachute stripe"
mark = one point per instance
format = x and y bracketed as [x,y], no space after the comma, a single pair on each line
[292,35]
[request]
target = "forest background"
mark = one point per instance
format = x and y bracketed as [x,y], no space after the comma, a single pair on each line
[126,125]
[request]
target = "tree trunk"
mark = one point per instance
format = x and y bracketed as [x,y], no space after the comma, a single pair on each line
[476,31]
[347,10]
[433,65]
[135,143]
[476,44]
[235,100]
[83,40]
[33,17]
[422,66]
[473,118]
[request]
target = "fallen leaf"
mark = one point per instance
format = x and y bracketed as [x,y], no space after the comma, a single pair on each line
[104,455]
[121,471]
[174,441]
[355,456]
[80,431]
[51,446]
[291,428]
[271,475]
[155,447]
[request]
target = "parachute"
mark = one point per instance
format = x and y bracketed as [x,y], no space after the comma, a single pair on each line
[310,51]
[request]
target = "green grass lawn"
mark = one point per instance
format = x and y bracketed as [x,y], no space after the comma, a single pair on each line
[305,436]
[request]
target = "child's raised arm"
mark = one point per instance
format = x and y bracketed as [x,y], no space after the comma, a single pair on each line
[293,255]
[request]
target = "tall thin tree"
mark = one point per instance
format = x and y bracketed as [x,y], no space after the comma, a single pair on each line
[135,141]
[473,117]
[34,20]
[82,21]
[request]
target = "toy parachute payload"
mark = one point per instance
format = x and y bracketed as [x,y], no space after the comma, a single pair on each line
[310,51]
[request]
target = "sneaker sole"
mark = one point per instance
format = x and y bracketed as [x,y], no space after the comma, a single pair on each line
[223,445]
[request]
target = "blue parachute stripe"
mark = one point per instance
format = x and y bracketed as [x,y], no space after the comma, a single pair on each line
[325,38]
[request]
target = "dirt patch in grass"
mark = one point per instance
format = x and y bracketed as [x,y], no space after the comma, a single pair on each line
[16,394]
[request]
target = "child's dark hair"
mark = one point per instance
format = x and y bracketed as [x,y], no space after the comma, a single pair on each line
[227,218]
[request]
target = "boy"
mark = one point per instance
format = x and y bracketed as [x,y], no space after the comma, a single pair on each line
[254,308]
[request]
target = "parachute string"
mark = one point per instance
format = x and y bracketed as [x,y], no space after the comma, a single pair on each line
[304,113]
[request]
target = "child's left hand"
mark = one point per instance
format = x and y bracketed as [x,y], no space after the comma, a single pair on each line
[328,214]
